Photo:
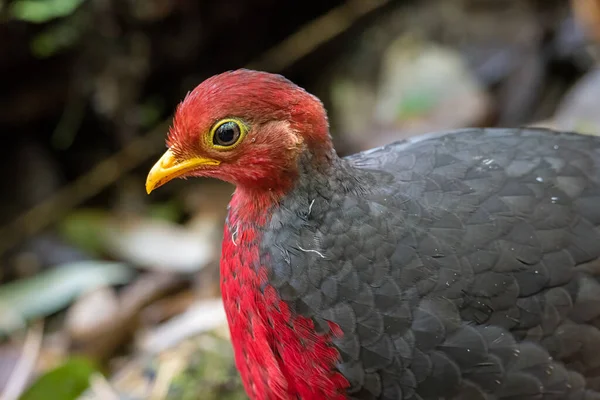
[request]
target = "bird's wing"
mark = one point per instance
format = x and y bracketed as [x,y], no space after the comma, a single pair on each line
[464,265]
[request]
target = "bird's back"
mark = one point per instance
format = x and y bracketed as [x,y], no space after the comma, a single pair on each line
[463,265]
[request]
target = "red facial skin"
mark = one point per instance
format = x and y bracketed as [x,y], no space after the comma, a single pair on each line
[278,354]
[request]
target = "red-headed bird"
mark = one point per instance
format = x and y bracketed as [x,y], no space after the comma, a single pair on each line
[460,265]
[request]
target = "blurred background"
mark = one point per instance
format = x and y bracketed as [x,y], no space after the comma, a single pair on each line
[107,293]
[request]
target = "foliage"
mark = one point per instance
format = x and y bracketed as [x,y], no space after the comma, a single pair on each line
[52,290]
[55,38]
[40,11]
[65,382]
[209,371]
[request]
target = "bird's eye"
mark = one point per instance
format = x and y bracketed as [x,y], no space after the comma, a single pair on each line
[227,133]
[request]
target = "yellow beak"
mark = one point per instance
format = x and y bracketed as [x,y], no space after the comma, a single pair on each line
[169,168]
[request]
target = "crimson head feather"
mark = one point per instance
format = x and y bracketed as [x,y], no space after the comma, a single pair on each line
[245,127]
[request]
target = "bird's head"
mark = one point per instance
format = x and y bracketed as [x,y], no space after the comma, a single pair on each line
[244,127]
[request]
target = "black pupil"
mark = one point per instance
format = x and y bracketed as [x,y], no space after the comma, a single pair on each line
[227,134]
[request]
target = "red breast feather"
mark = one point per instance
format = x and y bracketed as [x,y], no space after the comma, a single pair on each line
[279,355]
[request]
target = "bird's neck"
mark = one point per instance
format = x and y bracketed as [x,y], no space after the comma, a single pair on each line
[252,205]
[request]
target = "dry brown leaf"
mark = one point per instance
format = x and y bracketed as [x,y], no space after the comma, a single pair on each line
[587,13]
[168,307]
[115,319]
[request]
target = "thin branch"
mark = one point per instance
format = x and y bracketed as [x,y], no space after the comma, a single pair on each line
[167,371]
[101,388]
[19,377]
[101,176]
[316,33]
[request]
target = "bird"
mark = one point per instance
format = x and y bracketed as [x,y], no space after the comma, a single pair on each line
[461,264]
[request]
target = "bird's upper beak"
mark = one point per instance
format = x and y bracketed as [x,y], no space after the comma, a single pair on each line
[168,168]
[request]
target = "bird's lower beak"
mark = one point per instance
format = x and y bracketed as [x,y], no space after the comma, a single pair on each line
[169,168]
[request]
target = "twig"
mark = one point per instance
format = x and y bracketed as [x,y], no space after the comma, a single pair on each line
[106,172]
[70,120]
[19,376]
[101,389]
[87,185]
[315,34]
[167,371]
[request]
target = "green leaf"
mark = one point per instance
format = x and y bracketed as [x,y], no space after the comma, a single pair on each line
[416,104]
[150,111]
[85,229]
[65,382]
[168,211]
[55,39]
[40,11]
[53,290]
